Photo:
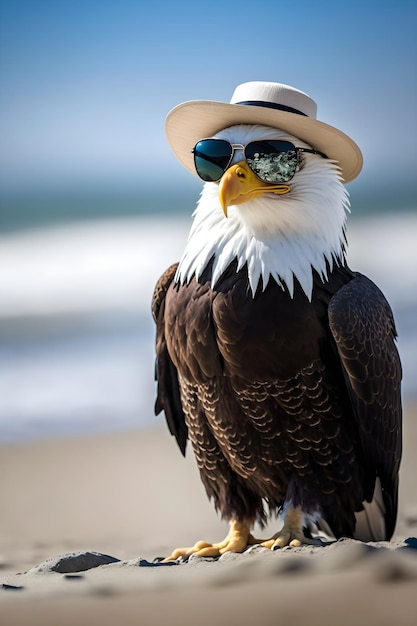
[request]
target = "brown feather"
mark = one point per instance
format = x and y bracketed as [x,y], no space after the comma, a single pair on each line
[277,403]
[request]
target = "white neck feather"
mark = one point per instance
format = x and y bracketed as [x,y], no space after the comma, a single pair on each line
[276,236]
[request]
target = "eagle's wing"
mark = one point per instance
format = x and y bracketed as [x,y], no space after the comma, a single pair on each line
[363,327]
[168,394]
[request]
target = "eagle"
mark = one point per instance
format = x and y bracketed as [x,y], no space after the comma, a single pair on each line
[274,358]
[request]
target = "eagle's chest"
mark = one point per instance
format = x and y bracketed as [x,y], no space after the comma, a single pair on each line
[226,331]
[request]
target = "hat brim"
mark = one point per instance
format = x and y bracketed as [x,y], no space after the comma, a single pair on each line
[191,121]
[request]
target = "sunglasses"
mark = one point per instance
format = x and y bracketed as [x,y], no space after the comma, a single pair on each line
[272,160]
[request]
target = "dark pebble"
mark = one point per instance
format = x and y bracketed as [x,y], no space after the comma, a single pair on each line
[7,587]
[156,563]
[411,543]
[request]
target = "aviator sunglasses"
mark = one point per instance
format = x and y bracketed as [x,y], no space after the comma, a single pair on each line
[272,160]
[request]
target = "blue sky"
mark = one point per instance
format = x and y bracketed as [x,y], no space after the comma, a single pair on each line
[86,85]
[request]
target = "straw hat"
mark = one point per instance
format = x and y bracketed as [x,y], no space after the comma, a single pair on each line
[270,104]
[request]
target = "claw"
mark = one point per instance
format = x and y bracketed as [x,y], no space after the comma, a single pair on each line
[292,533]
[237,540]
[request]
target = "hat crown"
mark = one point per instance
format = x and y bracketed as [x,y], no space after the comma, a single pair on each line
[276,95]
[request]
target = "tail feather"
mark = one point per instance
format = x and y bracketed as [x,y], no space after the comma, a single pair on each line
[370,523]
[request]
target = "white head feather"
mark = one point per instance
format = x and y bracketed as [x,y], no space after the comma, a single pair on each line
[278,236]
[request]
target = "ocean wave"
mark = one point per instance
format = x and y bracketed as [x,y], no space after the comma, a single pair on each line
[88,266]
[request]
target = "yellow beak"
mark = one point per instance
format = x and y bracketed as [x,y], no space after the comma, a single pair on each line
[239,184]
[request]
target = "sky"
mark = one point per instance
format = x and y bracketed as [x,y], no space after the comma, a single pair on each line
[85,86]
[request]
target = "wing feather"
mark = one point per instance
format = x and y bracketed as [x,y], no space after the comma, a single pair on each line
[168,393]
[362,325]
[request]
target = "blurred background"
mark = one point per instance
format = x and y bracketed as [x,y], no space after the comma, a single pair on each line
[94,205]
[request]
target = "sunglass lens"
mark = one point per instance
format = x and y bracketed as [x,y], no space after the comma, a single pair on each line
[211,158]
[272,161]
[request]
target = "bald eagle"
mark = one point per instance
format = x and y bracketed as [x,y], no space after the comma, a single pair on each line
[277,361]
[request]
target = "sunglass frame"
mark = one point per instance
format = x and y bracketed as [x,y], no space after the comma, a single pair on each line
[238,146]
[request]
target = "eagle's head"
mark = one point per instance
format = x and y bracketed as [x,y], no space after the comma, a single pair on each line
[280,231]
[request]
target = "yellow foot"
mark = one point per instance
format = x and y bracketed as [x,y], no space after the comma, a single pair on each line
[291,534]
[237,540]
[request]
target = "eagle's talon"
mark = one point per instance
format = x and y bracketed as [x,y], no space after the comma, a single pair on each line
[237,540]
[291,535]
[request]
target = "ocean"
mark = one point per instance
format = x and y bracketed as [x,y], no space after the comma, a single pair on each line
[76,332]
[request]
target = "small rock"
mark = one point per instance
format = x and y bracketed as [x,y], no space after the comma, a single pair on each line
[411,543]
[156,563]
[74,562]
[7,587]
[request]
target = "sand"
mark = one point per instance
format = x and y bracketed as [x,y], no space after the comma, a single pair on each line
[131,496]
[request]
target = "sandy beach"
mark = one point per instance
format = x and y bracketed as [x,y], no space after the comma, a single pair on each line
[131,496]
